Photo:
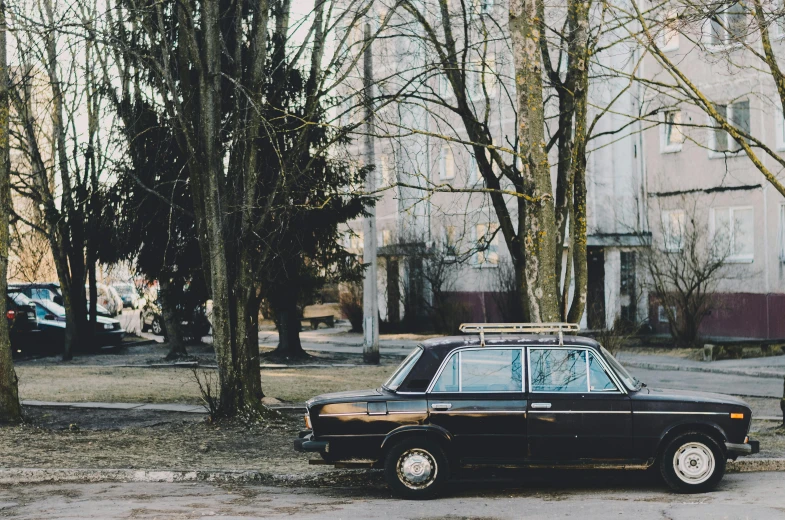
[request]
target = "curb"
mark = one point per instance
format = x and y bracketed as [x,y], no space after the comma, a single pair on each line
[754,465]
[731,371]
[45,476]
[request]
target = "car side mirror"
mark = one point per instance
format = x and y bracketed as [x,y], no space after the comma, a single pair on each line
[50,317]
[58,299]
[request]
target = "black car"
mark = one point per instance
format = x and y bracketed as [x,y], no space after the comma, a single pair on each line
[524,400]
[51,323]
[22,323]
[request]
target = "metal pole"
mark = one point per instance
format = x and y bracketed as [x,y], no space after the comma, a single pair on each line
[370,289]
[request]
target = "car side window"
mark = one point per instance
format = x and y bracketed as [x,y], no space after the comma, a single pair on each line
[482,370]
[558,370]
[599,381]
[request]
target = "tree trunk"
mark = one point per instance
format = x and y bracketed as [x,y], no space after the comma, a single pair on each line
[170,294]
[10,408]
[288,320]
[540,233]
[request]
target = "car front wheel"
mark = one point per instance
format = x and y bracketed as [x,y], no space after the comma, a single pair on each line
[693,462]
[416,468]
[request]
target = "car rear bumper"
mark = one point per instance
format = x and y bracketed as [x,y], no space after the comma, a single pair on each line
[305,443]
[748,448]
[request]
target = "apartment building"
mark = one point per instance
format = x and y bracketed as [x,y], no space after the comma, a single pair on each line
[698,176]
[418,214]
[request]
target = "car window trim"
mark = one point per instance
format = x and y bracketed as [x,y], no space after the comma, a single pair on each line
[458,351]
[620,389]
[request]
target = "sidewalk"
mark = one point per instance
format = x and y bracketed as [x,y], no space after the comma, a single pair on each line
[166,407]
[767,367]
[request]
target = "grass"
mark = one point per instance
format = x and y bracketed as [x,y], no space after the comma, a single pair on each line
[163,385]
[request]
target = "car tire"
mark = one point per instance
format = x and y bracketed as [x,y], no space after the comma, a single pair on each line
[692,462]
[157,327]
[416,468]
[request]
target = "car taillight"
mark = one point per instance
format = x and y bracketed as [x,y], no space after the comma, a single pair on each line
[11,314]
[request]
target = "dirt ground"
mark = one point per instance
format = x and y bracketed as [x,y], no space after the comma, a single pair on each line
[71,438]
[177,385]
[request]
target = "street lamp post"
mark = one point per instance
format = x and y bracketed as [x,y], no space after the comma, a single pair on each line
[370,290]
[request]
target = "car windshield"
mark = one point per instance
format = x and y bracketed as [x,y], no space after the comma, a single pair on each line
[51,308]
[403,370]
[630,381]
[125,289]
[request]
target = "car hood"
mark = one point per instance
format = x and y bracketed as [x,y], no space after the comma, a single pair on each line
[692,396]
[343,397]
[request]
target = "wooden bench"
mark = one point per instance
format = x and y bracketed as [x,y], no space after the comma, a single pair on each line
[328,320]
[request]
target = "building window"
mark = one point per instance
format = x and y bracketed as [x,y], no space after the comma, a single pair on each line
[446,163]
[728,25]
[386,171]
[487,240]
[733,233]
[449,242]
[483,78]
[673,222]
[669,35]
[386,237]
[738,115]
[662,316]
[672,136]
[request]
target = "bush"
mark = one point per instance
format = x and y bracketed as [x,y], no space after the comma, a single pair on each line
[351,304]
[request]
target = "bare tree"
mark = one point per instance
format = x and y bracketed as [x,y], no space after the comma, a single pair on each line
[57,132]
[10,408]
[684,271]
[464,86]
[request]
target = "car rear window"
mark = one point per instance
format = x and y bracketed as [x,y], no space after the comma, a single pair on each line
[483,370]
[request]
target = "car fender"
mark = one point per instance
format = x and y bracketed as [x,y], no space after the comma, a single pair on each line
[696,423]
[427,430]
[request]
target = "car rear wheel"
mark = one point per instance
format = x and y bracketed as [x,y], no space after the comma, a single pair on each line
[416,468]
[156,327]
[693,462]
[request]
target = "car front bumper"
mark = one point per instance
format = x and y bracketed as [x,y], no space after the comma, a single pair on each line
[305,443]
[748,448]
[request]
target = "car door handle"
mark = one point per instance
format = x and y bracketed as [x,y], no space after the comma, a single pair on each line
[541,405]
[441,406]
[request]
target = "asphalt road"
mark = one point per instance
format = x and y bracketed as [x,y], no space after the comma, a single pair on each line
[710,382]
[742,496]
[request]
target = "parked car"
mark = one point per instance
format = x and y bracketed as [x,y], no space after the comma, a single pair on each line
[51,291]
[195,326]
[526,400]
[108,298]
[39,290]
[128,294]
[51,323]
[22,323]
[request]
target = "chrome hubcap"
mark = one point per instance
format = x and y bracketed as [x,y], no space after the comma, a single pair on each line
[694,463]
[416,468]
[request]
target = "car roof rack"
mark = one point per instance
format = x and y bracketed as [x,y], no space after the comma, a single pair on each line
[525,328]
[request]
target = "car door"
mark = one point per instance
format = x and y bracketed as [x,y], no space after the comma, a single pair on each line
[577,410]
[478,396]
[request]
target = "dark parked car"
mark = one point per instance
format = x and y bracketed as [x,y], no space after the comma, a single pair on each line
[527,400]
[22,323]
[51,323]
[195,326]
